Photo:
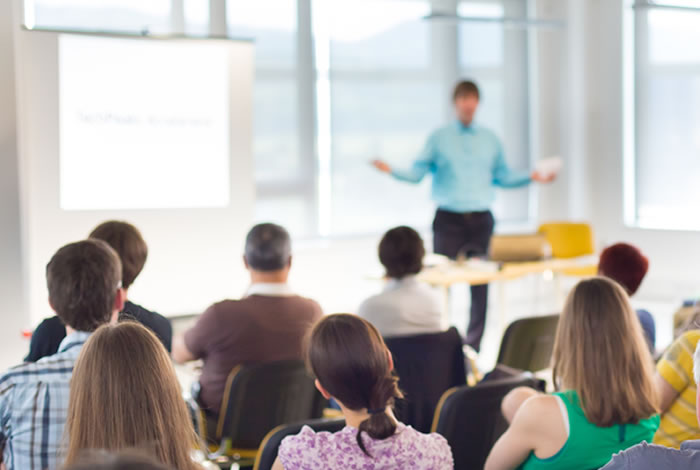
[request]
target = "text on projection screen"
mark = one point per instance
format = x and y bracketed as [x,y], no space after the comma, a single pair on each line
[144,124]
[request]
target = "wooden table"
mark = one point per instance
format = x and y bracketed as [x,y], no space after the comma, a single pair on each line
[449,273]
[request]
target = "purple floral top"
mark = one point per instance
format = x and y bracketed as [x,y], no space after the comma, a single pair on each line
[407,448]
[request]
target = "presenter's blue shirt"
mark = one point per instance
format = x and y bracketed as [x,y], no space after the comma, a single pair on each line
[467,164]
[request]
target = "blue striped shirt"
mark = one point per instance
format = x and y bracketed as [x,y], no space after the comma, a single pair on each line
[34,408]
[467,164]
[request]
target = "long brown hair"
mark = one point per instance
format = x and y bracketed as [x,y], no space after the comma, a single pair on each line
[349,358]
[124,395]
[600,352]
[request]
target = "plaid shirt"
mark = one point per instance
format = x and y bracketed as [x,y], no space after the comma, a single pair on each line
[34,408]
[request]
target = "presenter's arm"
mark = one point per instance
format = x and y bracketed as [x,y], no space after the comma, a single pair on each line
[505,177]
[421,165]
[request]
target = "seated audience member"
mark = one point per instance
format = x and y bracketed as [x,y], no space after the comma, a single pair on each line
[103,460]
[626,265]
[406,306]
[124,395]
[652,456]
[84,284]
[268,324]
[127,241]
[677,391]
[607,401]
[352,364]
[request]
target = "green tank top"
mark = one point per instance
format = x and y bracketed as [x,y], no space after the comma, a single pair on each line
[590,446]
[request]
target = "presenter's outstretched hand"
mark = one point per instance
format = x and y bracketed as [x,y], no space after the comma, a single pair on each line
[540,178]
[381,166]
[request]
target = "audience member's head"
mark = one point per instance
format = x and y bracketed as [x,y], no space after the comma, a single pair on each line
[129,245]
[84,283]
[624,264]
[352,364]
[125,395]
[600,352]
[401,252]
[268,249]
[102,460]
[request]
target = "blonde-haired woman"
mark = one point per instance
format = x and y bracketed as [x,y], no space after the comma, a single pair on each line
[124,395]
[607,400]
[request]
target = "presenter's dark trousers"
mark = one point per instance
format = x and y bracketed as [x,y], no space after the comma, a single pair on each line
[468,234]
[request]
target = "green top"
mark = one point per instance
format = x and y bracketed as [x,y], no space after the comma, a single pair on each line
[590,446]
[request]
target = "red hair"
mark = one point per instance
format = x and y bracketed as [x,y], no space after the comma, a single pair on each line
[624,264]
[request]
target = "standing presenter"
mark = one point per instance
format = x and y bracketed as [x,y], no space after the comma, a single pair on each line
[467,164]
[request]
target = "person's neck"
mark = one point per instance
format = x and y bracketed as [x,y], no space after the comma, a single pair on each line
[466,123]
[355,418]
[268,277]
[113,320]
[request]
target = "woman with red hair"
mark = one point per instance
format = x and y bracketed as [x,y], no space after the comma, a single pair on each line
[626,265]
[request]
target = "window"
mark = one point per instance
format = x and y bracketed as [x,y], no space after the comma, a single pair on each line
[124,15]
[667,127]
[384,100]
[340,82]
[496,58]
[285,169]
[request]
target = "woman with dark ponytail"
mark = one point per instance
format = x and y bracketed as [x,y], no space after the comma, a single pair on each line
[352,364]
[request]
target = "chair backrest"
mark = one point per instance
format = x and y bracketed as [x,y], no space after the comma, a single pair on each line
[569,239]
[470,418]
[427,365]
[270,445]
[262,396]
[527,343]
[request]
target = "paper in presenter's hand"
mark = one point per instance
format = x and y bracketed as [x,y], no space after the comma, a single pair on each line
[550,166]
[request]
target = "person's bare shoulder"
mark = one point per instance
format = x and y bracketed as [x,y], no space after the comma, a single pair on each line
[540,415]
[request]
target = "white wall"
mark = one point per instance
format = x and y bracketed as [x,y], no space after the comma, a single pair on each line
[589,127]
[12,289]
[194,254]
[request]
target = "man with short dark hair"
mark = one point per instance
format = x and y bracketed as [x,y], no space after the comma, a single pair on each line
[267,324]
[127,241]
[405,306]
[85,291]
[467,164]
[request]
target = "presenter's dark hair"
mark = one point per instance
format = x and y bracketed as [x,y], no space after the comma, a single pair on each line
[401,252]
[348,357]
[83,279]
[129,245]
[624,264]
[268,247]
[465,88]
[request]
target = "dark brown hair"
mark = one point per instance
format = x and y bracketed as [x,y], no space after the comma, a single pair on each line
[83,279]
[129,245]
[401,252]
[124,395]
[349,358]
[625,264]
[600,352]
[465,88]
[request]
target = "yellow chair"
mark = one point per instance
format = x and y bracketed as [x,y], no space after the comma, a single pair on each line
[571,240]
